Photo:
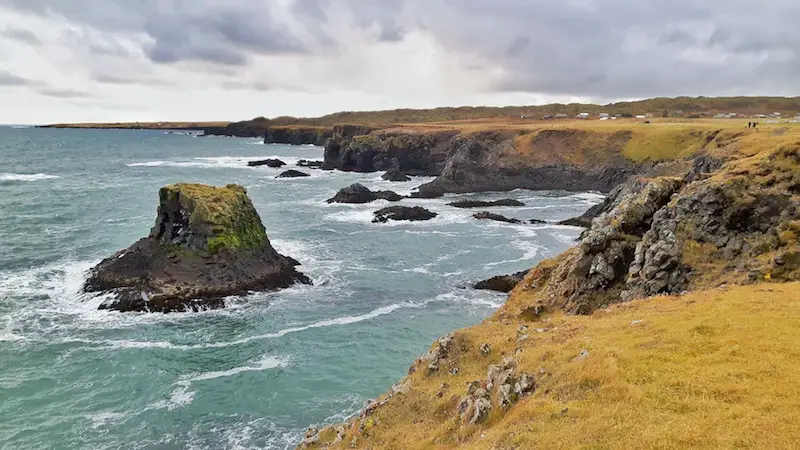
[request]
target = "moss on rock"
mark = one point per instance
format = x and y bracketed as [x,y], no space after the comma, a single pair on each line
[208,218]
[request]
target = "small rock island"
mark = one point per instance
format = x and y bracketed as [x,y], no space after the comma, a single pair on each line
[207,243]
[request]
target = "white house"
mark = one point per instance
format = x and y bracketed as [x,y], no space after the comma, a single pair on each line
[583,116]
[604,115]
[640,116]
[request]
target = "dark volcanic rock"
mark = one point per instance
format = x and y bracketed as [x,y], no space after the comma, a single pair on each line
[481,204]
[362,149]
[491,216]
[358,193]
[395,175]
[492,161]
[274,163]
[297,135]
[502,283]
[310,164]
[208,243]
[293,174]
[537,222]
[415,213]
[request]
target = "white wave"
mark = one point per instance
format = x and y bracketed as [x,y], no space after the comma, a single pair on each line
[26,177]
[217,162]
[471,297]
[269,362]
[179,398]
[592,196]
[103,418]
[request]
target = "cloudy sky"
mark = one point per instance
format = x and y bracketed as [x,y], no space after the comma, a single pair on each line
[125,60]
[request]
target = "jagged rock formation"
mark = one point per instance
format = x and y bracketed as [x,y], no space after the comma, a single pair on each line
[485,215]
[208,243]
[396,176]
[359,194]
[413,214]
[502,161]
[503,385]
[362,149]
[293,174]
[502,283]
[274,163]
[466,204]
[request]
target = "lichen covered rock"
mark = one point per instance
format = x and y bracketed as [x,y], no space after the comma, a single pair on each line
[207,243]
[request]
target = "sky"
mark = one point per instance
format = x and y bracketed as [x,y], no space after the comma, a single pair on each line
[152,60]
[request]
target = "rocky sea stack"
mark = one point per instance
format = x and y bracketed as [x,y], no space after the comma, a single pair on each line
[208,243]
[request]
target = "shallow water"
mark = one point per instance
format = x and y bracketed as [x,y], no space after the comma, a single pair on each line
[254,375]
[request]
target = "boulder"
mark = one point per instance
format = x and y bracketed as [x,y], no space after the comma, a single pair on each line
[416,213]
[207,243]
[310,164]
[395,175]
[466,204]
[502,283]
[497,217]
[358,194]
[274,163]
[293,174]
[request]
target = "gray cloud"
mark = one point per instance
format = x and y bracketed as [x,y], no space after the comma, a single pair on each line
[21,35]
[64,93]
[601,49]
[9,79]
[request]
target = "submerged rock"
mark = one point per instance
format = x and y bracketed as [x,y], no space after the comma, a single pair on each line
[483,204]
[208,243]
[497,217]
[502,283]
[395,175]
[358,194]
[310,164]
[293,174]
[274,163]
[415,213]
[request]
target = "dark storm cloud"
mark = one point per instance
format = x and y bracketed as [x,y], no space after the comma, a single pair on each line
[224,32]
[21,35]
[597,48]
[9,79]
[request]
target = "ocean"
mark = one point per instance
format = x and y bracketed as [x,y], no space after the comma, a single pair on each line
[256,374]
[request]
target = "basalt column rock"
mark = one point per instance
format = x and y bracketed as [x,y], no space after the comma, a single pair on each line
[207,243]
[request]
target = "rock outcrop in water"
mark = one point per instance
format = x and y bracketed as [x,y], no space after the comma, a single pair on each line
[274,163]
[396,176]
[208,243]
[485,215]
[467,204]
[293,174]
[359,194]
[408,213]
[502,283]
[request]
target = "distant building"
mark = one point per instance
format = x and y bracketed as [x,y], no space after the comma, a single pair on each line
[582,116]
[721,116]
[560,116]
[604,115]
[649,115]
[640,116]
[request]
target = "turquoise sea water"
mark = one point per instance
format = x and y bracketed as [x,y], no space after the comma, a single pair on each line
[254,375]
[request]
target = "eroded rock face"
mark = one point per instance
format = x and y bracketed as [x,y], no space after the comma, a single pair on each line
[360,194]
[208,243]
[408,213]
[362,149]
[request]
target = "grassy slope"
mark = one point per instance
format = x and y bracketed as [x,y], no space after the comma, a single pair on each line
[742,105]
[713,369]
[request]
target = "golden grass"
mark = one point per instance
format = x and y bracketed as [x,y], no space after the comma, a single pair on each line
[713,369]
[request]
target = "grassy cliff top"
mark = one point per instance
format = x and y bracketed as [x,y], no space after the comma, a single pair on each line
[225,215]
[712,369]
